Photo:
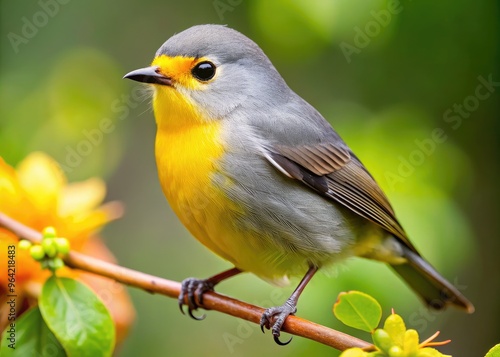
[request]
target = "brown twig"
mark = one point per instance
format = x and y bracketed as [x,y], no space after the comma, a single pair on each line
[211,300]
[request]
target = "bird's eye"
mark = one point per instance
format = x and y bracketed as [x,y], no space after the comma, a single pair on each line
[204,71]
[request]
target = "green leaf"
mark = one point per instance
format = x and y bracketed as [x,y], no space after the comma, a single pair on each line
[494,352]
[77,317]
[32,337]
[358,310]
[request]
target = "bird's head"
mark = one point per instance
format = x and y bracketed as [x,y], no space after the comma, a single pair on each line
[209,70]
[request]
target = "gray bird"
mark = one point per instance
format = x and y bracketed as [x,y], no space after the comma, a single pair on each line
[258,176]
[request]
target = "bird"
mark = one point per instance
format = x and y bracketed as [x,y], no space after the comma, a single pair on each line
[261,178]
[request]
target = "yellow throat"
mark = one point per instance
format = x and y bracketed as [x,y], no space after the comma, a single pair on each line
[187,148]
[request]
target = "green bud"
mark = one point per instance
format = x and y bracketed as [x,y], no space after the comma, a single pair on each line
[55,263]
[24,244]
[62,245]
[382,340]
[396,351]
[37,252]
[49,232]
[49,247]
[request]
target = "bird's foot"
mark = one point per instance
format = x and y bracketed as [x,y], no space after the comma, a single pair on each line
[194,289]
[274,318]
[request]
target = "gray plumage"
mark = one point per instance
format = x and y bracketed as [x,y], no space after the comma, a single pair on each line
[302,196]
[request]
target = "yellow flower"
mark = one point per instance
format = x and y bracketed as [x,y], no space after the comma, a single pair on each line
[407,341]
[395,340]
[38,195]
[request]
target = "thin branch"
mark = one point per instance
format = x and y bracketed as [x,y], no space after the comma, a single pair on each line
[211,300]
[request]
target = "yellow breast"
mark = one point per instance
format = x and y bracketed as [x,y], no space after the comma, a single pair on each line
[187,150]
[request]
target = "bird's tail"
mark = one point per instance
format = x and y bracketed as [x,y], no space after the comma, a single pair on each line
[435,290]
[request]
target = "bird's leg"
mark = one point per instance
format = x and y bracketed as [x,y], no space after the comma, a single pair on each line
[195,288]
[274,317]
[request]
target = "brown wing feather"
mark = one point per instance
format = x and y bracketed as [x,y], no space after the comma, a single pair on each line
[347,180]
[320,159]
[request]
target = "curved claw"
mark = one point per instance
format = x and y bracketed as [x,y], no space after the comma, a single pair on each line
[265,321]
[180,299]
[275,317]
[194,290]
[277,340]
[197,318]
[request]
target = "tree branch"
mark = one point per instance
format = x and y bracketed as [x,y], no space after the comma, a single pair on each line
[211,300]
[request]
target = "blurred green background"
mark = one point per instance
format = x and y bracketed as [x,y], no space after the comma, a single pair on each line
[405,84]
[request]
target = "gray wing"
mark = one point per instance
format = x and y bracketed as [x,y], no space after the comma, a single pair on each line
[335,172]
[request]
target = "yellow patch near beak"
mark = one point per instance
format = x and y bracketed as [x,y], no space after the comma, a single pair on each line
[178,69]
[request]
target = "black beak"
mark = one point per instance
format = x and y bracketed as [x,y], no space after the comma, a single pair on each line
[149,75]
